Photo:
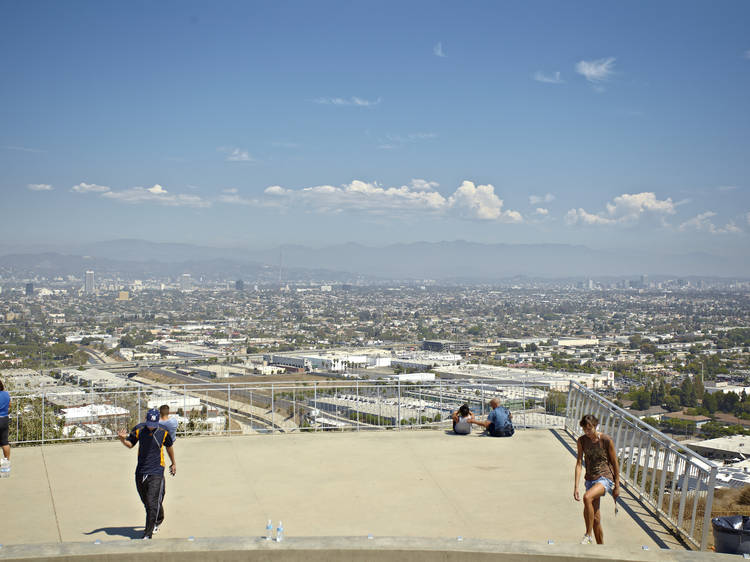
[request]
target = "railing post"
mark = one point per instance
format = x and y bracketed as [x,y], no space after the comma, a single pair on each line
[43,408]
[398,421]
[229,408]
[523,400]
[380,409]
[273,413]
[357,388]
[708,507]
[663,480]
[294,404]
[483,398]
[252,413]
[440,391]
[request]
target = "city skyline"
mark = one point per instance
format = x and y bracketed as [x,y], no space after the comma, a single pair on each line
[608,125]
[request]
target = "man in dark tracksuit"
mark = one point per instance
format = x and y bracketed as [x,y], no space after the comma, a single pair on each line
[149,473]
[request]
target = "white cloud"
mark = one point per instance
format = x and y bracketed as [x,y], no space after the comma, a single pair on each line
[596,70]
[726,188]
[276,190]
[423,185]
[747,218]
[575,216]
[536,199]
[24,149]
[554,78]
[354,101]
[703,222]
[625,208]
[234,199]
[236,154]
[480,202]
[732,227]
[89,188]
[156,194]
[541,211]
[630,206]
[438,50]
[39,187]
[746,54]
[469,201]
[230,190]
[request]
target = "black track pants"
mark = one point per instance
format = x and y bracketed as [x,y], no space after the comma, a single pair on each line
[151,489]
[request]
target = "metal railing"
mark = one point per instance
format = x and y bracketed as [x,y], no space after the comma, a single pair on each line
[677,483]
[42,416]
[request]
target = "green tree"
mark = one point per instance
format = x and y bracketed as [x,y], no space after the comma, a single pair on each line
[672,403]
[710,402]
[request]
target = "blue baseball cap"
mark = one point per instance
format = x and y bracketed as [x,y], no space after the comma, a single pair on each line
[152,418]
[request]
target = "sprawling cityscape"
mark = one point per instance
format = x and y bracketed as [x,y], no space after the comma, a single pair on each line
[672,351]
[392,276]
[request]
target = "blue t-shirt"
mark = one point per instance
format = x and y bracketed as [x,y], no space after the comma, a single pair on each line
[150,449]
[4,403]
[500,416]
[171,426]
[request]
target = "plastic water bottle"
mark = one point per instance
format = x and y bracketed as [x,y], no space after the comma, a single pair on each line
[280,532]
[269,530]
[4,468]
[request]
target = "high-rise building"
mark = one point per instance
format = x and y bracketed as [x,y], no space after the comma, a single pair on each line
[186,282]
[239,285]
[29,289]
[88,287]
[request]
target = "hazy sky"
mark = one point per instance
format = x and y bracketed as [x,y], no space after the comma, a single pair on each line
[610,124]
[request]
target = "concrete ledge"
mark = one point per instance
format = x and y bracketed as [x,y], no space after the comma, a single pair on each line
[334,549]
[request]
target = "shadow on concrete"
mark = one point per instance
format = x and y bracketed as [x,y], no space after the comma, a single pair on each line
[563,438]
[127,532]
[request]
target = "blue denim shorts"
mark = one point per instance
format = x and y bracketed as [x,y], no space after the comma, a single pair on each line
[606,482]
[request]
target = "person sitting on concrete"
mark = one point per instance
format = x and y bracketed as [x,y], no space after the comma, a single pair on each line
[499,423]
[462,419]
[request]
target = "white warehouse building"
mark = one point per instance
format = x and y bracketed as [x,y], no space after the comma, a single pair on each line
[174,400]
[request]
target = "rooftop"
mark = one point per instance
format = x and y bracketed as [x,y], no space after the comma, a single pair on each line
[406,484]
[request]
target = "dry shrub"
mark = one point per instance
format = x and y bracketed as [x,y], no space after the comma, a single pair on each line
[744,496]
[731,500]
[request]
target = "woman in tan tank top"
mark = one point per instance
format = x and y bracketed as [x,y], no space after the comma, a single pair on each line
[602,475]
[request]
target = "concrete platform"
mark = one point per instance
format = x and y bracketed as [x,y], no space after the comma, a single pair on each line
[385,483]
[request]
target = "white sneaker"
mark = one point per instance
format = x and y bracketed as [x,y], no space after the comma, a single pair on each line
[587,540]
[156,529]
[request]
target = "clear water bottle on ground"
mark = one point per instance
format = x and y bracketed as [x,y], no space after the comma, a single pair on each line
[4,468]
[269,530]
[280,532]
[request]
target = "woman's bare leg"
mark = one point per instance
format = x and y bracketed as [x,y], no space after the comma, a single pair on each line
[589,512]
[598,531]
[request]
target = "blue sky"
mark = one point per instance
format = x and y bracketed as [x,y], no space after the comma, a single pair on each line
[610,124]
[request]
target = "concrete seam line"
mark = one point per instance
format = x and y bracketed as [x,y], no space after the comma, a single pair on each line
[51,496]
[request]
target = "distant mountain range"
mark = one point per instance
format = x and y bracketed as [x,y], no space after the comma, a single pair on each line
[441,261]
